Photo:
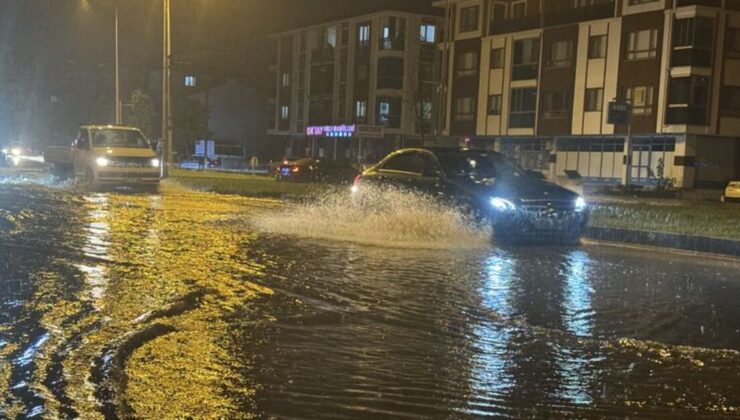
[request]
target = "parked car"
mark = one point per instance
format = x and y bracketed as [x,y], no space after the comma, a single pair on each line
[316,170]
[521,207]
[732,192]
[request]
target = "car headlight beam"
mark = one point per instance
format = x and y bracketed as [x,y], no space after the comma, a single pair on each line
[502,204]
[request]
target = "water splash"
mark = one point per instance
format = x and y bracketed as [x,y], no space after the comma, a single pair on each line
[385,217]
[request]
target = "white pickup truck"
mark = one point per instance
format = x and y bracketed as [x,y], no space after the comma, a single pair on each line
[107,155]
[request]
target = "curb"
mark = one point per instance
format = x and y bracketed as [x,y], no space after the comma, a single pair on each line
[666,240]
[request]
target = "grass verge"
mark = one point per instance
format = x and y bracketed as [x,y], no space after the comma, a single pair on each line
[243,184]
[715,220]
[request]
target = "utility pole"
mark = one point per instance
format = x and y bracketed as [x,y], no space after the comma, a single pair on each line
[166,94]
[118,76]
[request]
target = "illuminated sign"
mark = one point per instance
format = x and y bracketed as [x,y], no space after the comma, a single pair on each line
[331,130]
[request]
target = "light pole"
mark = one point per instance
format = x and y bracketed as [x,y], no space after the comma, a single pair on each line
[166,94]
[118,77]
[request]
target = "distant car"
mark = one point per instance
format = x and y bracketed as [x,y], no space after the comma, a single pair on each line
[521,207]
[20,155]
[316,170]
[732,192]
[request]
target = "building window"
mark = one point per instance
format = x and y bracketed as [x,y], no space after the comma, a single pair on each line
[425,109]
[285,80]
[361,72]
[518,9]
[732,42]
[467,64]
[641,98]
[469,18]
[389,112]
[523,103]
[555,104]
[497,58]
[594,101]
[526,59]
[390,73]
[190,81]
[464,109]
[284,112]
[730,101]
[597,46]
[363,35]
[688,99]
[427,33]
[560,54]
[361,111]
[642,44]
[494,104]
[692,42]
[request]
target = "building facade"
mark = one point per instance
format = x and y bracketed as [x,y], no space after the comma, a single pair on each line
[356,88]
[534,78]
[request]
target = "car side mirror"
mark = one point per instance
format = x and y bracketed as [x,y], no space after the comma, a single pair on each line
[430,173]
[83,144]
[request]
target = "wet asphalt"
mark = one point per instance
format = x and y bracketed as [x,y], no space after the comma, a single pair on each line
[182,304]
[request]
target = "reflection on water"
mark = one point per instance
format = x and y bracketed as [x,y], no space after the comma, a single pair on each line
[161,306]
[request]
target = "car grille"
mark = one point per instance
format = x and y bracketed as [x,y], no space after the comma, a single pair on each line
[547,206]
[131,162]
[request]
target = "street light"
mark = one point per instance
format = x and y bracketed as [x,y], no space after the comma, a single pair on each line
[166,80]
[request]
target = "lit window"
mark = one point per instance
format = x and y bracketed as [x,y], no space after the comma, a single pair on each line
[361,110]
[190,81]
[286,80]
[284,112]
[641,98]
[427,33]
[363,34]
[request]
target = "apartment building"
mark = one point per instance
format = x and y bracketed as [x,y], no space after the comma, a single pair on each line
[356,88]
[534,79]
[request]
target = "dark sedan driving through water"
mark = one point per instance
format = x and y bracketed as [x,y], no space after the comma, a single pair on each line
[522,207]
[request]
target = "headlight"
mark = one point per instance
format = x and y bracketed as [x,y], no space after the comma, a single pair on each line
[16,151]
[155,162]
[580,204]
[102,161]
[502,204]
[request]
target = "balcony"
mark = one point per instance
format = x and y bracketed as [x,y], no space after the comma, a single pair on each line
[707,3]
[322,55]
[503,26]
[579,14]
[554,18]
[525,72]
[695,57]
[391,44]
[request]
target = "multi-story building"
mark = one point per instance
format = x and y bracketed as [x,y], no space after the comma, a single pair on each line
[356,88]
[534,79]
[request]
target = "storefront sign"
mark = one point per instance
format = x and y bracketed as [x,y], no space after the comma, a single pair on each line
[331,130]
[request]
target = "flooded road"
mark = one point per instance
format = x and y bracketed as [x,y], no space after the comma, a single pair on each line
[186,304]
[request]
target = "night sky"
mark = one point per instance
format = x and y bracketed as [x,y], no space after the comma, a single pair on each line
[56,56]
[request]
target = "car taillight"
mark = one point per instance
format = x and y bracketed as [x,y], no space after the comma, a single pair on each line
[358,179]
[295,169]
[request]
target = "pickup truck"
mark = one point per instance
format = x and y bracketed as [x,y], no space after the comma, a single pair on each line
[108,155]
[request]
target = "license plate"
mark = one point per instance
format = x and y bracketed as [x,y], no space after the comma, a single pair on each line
[285,171]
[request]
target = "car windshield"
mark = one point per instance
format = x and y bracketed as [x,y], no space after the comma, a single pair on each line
[479,166]
[118,138]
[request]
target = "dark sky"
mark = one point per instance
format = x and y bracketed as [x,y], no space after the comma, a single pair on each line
[62,50]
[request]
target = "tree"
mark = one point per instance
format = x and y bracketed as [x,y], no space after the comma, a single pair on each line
[141,113]
[190,123]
